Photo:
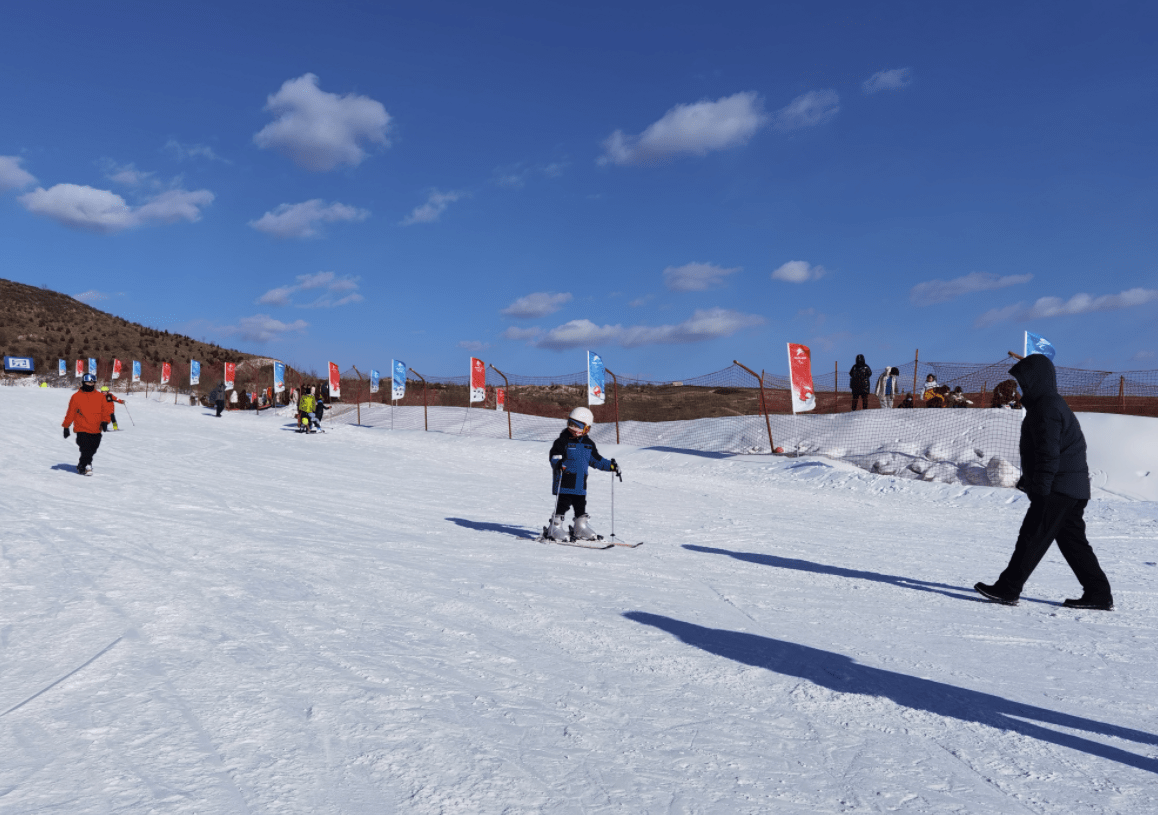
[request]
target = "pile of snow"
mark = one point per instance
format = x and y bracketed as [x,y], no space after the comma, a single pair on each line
[232,617]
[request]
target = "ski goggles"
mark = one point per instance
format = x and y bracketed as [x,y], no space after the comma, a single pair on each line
[575,424]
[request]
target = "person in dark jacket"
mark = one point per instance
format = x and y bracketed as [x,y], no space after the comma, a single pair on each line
[1056,478]
[860,382]
[217,397]
[570,456]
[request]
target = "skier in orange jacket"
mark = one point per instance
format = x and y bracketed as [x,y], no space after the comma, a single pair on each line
[89,413]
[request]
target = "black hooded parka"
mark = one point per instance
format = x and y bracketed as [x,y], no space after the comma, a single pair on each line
[1053,448]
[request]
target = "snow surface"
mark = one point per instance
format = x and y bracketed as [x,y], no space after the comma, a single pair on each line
[231,617]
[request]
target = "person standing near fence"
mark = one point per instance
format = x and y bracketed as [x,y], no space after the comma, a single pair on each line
[887,388]
[860,378]
[1056,478]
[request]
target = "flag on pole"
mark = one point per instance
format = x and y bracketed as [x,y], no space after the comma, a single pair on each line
[596,390]
[166,372]
[335,381]
[116,369]
[194,372]
[92,365]
[375,378]
[230,375]
[500,399]
[136,370]
[1037,344]
[800,376]
[63,368]
[279,377]
[397,379]
[79,368]
[478,380]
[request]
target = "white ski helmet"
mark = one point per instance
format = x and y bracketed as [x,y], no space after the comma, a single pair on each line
[581,419]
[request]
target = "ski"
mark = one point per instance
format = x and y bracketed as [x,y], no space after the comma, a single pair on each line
[585,545]
[628,545]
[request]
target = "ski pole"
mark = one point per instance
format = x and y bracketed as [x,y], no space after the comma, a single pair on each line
[614,474]
[126,404]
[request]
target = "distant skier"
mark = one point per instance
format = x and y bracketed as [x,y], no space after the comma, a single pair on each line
[1056,478]
[217,397]
[859,378]
[306,407]
[90,413]
[570,456]
[319,409]
[111,398]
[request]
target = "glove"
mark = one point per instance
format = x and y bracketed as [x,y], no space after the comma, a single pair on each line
[104,427]
[66,432]
[615,466]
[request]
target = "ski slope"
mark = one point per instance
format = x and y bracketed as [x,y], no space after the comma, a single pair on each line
[229,617]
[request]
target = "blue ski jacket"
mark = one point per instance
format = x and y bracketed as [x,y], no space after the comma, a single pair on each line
[570,457]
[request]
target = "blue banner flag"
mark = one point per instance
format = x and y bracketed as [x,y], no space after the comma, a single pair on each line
[1037,344]
[279,377]
[595,379]
[136,370]
[398,377]
[63,368]
[194,372]
[375,378]
[92,365]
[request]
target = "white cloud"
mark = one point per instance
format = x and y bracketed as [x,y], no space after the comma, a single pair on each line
[189,151]
[301,220]
[12,175]
[808,110]
[890,80]
[474,346]
[514,333]
[517,175]
[1047,307]
[539,304]
[93,210]
[330,284]
[126,175]
[695,276]
[90,296]
[432,210]
[692,129]
[704,324]
[320,130]
[641,301]
[798,271]
[262,328]
[941,291]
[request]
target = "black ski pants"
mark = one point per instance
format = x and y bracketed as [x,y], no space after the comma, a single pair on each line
[1049,518]
[566,502]
[863,400]
[220,405]
[88,444]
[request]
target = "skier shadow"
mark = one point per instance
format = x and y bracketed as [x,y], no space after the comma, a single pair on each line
[506,529]
[68,468]
[689,452]
[837,571]
[844,675]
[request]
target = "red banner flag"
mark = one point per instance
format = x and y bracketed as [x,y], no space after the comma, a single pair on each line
[500,399]
[230,375]
[800,375]
[478,380]
[116,369]
[80,367]
[335,381]
[166,372]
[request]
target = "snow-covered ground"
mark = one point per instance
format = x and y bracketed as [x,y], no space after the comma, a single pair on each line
[231,617]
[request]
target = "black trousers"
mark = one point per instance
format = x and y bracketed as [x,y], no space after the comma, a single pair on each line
[88,444]
[576,502]
[220,405]
[863,400]
[1049,518]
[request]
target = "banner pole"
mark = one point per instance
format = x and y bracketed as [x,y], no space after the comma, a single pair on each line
[358,398]
[507,406]
[615,384]
[425,416]
[916,362]
[763,405]
[835,386]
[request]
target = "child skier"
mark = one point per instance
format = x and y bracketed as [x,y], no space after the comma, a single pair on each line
[306,411]
[111,398]
[571,455]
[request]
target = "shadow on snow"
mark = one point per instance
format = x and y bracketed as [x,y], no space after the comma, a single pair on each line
[506,529]
[844,675]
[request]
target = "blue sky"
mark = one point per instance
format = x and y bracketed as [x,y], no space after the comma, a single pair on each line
[673,185]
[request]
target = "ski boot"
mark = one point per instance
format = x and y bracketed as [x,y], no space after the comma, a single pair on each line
[582,530]
[556,531]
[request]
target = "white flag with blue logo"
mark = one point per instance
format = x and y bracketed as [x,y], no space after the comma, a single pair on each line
[596,391]
[63,368]
[92,365]
[375,378]
[398,379]
[279,377]
[194,372]
[1037,344]
[136,370]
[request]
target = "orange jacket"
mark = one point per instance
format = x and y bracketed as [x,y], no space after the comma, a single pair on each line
[86,411]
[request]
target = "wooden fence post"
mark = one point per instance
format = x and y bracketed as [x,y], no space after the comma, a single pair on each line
[763,405]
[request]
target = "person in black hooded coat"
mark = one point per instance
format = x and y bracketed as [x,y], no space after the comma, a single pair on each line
[1056,478]
[859,382]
